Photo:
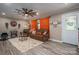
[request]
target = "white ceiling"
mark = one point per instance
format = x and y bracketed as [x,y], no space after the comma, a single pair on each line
[44,9]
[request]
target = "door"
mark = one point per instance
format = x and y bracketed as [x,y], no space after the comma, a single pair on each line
[70,32]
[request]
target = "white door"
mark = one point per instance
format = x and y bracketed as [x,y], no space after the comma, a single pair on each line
[69,36]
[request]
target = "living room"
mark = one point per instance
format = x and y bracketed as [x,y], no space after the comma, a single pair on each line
[38,29]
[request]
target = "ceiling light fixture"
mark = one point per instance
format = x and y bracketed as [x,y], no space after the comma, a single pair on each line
[3,13]
[27,12]
[26,15]
[37,13]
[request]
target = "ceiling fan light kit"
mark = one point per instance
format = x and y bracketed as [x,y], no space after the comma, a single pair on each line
[27,12]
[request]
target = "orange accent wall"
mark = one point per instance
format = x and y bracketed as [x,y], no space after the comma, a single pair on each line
[33,24]
[44,23]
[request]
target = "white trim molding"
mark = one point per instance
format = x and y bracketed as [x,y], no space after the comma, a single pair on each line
[56,40]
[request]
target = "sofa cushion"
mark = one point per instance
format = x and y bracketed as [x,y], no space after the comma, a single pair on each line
[45,33]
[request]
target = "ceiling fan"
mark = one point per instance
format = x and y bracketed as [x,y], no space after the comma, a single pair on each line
[27,12]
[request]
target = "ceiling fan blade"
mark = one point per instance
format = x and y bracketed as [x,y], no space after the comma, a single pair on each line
[18,11]
[23,9]
[30,11]
[32,14]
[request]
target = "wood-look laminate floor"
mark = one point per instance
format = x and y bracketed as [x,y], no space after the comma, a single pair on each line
[47,48]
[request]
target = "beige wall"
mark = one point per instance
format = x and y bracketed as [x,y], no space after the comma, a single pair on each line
[60,33]
[55,32]
[4,20]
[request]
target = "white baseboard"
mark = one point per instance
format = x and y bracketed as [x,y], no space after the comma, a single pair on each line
[56,40]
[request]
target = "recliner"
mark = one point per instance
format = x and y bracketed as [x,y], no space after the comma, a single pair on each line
[4,36]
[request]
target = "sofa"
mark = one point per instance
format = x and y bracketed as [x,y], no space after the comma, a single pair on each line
[42,35]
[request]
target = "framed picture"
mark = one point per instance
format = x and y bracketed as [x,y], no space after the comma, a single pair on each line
[70,23]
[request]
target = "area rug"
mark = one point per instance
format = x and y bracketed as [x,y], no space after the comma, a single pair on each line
[26,45]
